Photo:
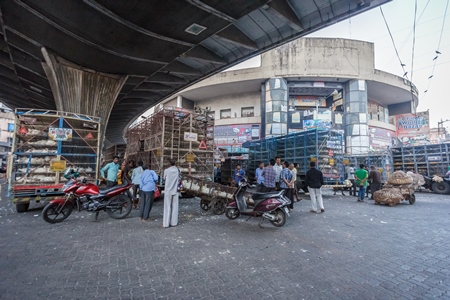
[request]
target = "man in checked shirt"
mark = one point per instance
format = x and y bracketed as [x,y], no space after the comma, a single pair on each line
[269,175]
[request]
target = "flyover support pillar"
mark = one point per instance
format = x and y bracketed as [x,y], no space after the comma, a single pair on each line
[80,90]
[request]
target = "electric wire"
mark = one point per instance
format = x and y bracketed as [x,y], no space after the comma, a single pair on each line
[405,74]
[437,50]
[414,40]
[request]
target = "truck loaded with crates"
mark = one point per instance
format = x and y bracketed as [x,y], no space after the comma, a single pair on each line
[432,161]
[45,143]
[172,132]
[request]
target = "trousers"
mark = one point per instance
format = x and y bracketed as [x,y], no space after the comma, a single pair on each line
[146,204]
[170,216]
[316,196]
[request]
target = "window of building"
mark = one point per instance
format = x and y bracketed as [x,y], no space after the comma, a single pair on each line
[225,113]
[247,112]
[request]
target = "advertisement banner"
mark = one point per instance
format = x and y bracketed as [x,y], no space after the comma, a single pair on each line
[307,101]
[231,137]
[380,138]
[319,124]
[60,134]
[413,129]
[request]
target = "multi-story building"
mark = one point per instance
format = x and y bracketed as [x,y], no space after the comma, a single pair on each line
[6,131]
[308,83]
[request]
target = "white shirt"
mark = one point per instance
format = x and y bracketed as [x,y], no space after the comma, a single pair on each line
[278,169]
[171,177]
[351,173]
[136,175]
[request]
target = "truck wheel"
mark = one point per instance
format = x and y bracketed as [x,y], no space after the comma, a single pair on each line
[22,207]
[441,187]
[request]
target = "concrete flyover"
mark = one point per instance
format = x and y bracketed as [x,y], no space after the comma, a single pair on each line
[115,59]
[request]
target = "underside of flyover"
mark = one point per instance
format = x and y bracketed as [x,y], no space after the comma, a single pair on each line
[116,59]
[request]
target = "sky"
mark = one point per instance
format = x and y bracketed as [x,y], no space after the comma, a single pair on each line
[432,33]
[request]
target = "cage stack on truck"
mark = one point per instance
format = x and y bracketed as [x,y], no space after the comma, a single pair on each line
[45,143]
[323,146]
[432,161]
[181,134]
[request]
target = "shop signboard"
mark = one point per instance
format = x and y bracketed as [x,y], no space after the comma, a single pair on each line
[307,101]
[413,129]
[231,137]
[380,138]
[319,124]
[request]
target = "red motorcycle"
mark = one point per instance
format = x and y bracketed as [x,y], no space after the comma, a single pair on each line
[87,196]
[270,206]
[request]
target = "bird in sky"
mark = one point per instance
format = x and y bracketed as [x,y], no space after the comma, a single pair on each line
[435,58]
[437,52]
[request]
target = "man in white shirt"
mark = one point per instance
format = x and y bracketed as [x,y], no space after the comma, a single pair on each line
[171,177]
[278,168]
[351,177]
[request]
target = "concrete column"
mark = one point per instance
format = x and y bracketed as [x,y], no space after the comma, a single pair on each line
[80,90]
[275,107]
[355,118]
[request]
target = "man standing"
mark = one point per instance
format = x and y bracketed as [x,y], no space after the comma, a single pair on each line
[287,183]
[147,192]
[278,168]
[361,180]
[259,176]
[171,178]
[351,177]
[269,177]
[293,168]
[136,180]
[375,177]
[238,174]
[314,182]
[112,169]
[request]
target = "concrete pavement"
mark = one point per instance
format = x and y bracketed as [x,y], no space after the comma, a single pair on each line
[352,251]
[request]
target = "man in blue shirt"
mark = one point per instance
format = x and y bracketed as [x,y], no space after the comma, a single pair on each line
[259,176]
[147,188]
[112,169]
[238,174]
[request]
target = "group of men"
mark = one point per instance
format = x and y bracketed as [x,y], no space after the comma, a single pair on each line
[278,175]
[145,181]
[361,178]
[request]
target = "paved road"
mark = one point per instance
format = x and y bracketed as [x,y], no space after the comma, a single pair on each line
[352,251]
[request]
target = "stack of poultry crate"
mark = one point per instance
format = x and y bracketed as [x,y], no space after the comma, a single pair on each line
[172,132]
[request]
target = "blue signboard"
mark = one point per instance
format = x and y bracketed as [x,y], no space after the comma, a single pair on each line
[10,126]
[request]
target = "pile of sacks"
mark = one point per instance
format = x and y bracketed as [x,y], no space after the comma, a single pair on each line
[399,183]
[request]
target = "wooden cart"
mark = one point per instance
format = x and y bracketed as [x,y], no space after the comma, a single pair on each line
[213,195]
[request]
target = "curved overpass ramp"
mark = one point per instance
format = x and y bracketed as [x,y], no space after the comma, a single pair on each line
[116,59]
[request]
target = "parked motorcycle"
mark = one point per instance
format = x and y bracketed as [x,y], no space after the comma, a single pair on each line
[87,196]
[271,206]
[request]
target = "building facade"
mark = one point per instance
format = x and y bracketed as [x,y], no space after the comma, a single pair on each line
[330,84]
[6,132]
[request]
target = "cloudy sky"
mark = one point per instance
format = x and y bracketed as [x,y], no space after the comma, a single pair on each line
[432,33]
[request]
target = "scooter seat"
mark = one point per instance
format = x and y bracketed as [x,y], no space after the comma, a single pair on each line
[261,196]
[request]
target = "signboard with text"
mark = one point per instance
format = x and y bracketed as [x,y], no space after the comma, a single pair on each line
[413,129]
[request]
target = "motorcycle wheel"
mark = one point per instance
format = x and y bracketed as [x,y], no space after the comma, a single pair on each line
[219,207]
[232,213]
[55,212]
[120,207]
[281,218]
